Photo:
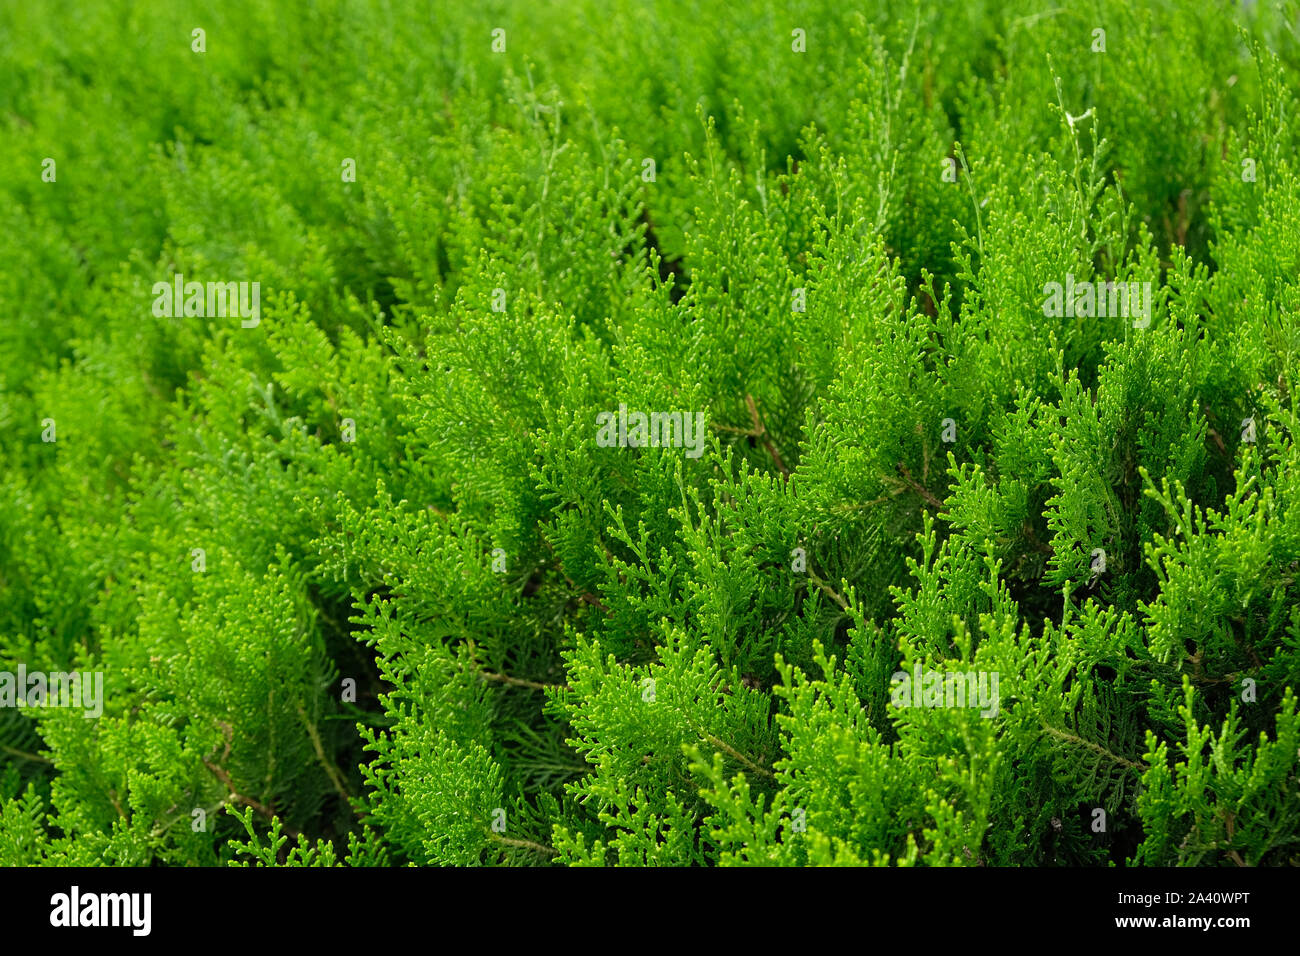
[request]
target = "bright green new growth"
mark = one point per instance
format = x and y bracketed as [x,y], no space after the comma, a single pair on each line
[365,589]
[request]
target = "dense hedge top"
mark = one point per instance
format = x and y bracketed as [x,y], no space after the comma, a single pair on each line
[368,570]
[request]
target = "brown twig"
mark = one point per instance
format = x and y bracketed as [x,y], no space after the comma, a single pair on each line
[920,489]
[506,678]
[1228,821]
[221,774]
[585,595]
[262,809]
[759,431]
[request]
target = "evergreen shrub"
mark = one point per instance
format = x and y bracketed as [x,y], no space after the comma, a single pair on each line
[965,337]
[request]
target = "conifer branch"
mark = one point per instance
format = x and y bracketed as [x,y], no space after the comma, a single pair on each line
[757,431]
[917,487]
[506,678]
[1229,821]
[584,594]
[1242,643]
[830,591]
[223,775]
[525,844]
[515,681]
[24,755]
[591,599]
[723,745]
[1032,537]
[1095,748]
[760,432]
[331,771]
[847,506]
[260,808]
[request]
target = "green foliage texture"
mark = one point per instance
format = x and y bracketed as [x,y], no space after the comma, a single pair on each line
[438,624]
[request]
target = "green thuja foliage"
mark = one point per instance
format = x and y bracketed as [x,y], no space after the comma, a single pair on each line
[970,537]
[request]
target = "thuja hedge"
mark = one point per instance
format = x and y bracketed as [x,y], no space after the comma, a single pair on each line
[392,573]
